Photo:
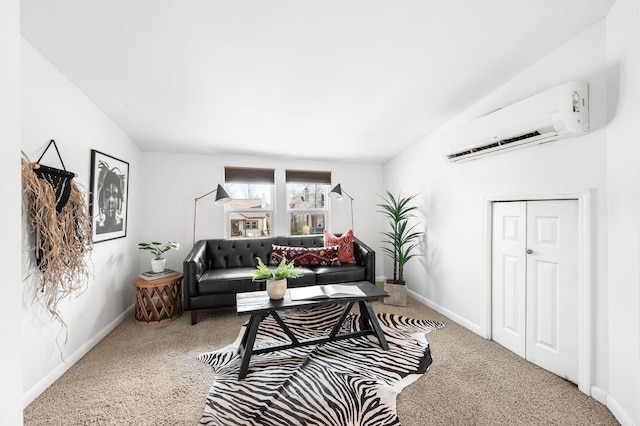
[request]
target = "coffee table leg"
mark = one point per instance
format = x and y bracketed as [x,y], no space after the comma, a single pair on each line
[343,316]
[246,347]
[367,314]
[285,328]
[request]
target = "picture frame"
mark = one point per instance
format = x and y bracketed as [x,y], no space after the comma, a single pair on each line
[108,197]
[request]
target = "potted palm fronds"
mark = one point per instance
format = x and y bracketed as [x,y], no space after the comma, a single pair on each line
[276,278]
[399,243]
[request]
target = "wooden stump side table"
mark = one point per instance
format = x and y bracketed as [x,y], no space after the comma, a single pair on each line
[158,300]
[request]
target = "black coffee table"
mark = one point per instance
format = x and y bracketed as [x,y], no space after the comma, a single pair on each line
[258,304]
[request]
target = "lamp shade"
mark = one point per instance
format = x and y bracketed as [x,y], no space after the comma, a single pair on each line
[221,195]
[336,192]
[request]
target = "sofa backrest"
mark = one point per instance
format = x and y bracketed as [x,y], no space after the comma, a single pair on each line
[238,252]
[316,240]
[242,252]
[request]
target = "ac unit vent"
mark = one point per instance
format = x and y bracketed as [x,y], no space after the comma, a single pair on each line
[519,138]
[494,145]
[557,113]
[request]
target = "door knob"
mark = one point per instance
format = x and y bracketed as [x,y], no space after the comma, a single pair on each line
[529,251]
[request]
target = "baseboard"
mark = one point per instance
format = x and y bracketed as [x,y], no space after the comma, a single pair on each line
[56,373]
[447,313]
[599,395]
[618,412]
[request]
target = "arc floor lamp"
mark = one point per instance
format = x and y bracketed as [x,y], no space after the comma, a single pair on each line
[221,197]
[337,192]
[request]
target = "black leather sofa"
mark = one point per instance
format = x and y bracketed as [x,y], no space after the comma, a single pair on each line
[215,270]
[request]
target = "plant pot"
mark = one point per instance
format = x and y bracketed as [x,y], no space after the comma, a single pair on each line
[276,289]
[157,265]
[397,293]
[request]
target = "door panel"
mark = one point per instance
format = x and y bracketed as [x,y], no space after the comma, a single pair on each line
[552,286]
[509,275]
[544,292]
[510,292]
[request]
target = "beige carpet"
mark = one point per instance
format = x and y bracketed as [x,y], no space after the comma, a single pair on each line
[149,375]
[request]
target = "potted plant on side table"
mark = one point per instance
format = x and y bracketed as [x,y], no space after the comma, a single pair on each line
[276,278]
[158,250]
[399,244]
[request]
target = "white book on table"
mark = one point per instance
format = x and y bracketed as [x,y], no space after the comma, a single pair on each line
[329,291]
[150,275]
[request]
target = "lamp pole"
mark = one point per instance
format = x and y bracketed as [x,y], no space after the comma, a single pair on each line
[337,192]
[351,202]
[221,197]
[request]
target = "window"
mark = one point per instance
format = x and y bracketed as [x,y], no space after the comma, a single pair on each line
[307,193]
[250,210]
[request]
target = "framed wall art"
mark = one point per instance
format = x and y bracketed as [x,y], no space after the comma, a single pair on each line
[108,196]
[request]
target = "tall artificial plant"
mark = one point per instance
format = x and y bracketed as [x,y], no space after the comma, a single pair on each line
[401,241]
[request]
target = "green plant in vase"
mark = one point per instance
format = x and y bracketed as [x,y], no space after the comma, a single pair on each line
[283,271]
[158,250]
[276,278]
[400,242]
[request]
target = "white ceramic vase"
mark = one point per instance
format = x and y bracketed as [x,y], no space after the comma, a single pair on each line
[276,289]
[157,265]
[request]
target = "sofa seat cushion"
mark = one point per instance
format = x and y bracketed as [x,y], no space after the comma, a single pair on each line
[339,274]
[308,277]
[228,280]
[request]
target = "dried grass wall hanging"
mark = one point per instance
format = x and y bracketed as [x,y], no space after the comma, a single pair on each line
[58,217]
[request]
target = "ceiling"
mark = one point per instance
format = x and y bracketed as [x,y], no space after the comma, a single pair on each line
[347,80]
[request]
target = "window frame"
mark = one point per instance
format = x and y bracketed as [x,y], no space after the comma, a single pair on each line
[305,177]
[249,176]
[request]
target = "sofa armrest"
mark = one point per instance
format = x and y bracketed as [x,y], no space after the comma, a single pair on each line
[367,257]
[194,265]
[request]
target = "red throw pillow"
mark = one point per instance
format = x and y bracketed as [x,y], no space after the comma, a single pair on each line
[305,256]
[344,243]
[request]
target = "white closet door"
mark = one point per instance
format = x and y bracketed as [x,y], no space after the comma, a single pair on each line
[509,275]
[552,286]
[535,282]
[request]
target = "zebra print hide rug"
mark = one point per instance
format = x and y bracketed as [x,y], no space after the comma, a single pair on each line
[348,382]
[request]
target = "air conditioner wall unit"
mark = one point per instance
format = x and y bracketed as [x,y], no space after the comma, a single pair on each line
[557,113]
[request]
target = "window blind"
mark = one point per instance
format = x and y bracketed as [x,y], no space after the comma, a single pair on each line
[308,176]
[249,175]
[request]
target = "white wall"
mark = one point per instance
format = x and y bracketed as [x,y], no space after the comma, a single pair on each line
[169,197]
[53,108]
[449,276]
[623,189]
[11,361]
[451,193]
